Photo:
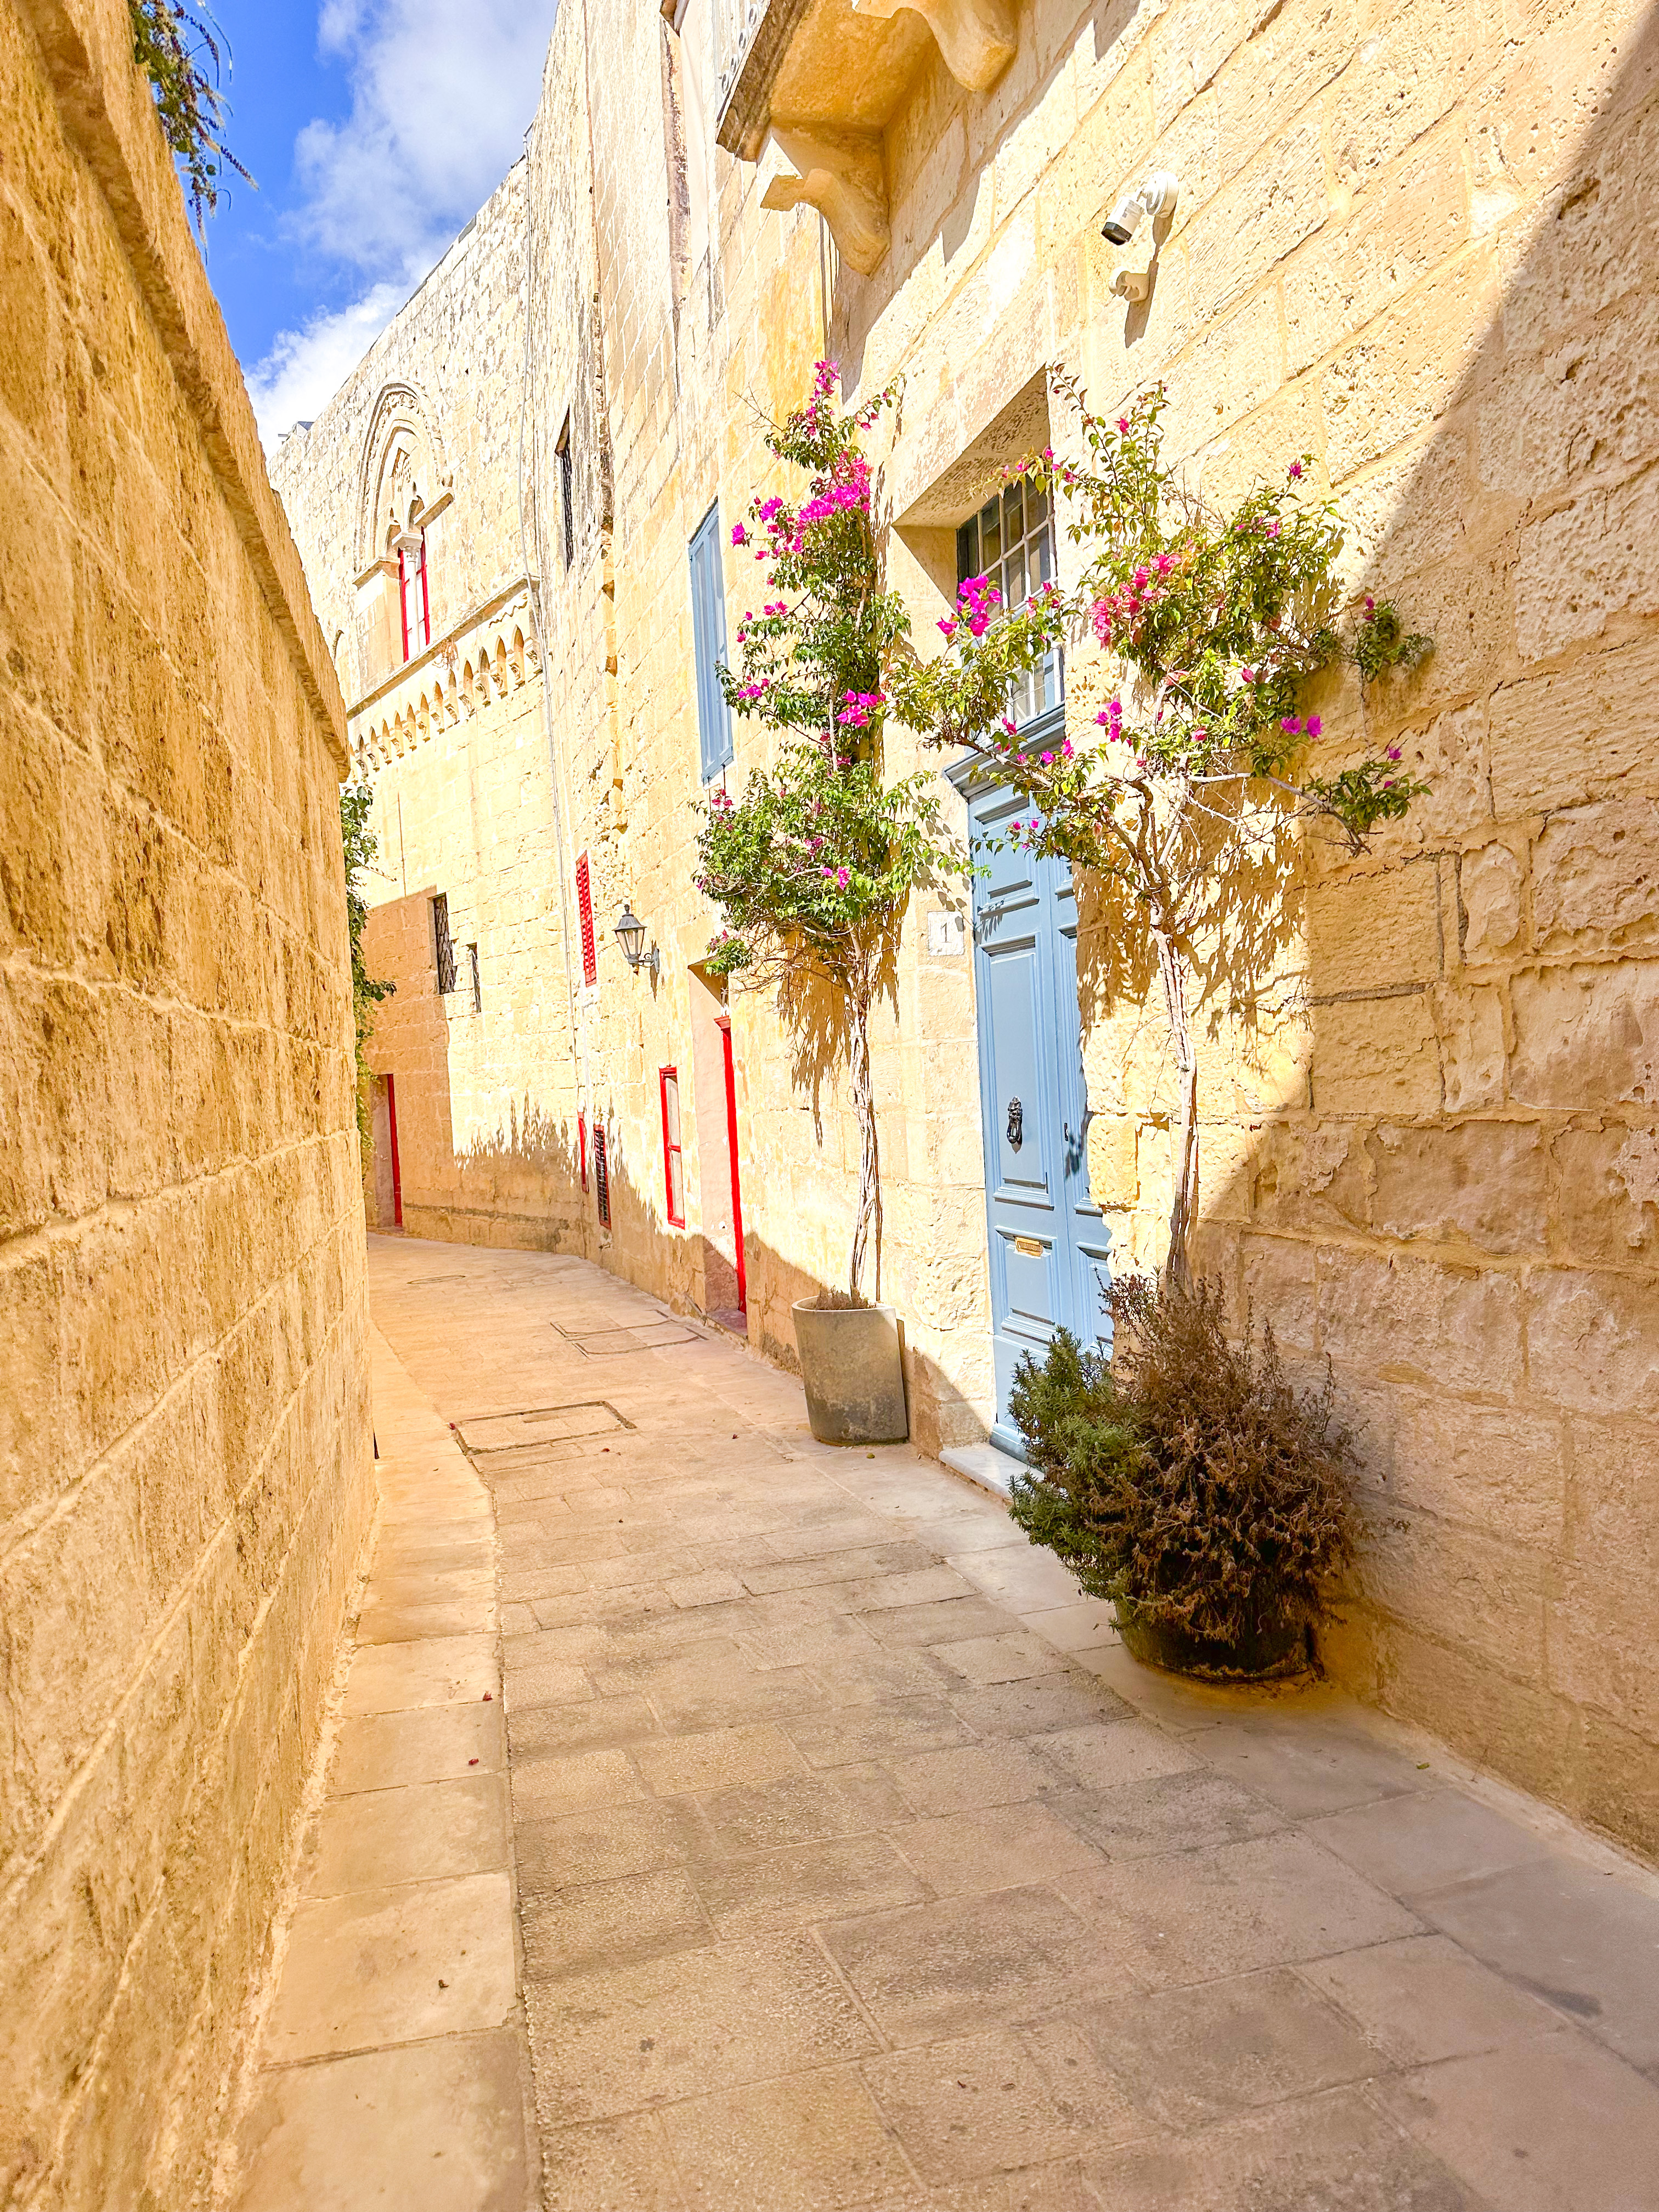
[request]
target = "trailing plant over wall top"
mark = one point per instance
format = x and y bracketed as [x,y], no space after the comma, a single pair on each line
[177,51]
[1215,626]
[815,864]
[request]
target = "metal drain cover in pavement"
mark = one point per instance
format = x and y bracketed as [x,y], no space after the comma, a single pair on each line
[616,1342]
[540,1425]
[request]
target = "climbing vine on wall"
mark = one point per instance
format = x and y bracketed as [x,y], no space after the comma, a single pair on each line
[814,866]
[367,991]
[1212,629]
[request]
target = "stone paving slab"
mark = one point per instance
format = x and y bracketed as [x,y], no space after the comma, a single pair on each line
[859,1869]
[393,2069]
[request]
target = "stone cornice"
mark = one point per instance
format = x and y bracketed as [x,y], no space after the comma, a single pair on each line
[108,116]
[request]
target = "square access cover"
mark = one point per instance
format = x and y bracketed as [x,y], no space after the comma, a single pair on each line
[540,1425]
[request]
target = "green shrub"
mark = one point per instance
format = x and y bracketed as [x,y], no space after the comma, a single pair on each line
[1183,1474]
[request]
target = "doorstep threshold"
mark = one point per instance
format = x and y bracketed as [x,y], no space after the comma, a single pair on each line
[986,1466]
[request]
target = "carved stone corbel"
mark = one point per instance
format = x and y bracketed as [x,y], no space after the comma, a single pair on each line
[840,173]
[977,38]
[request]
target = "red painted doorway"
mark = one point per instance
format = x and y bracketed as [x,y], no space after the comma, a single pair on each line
[724,1024]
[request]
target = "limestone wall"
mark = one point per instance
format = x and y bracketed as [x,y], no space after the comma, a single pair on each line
[455,743]
[1417,242]
[183,1417]
[1405,239]
[1420,242]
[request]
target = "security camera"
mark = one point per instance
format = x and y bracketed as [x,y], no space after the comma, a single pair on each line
[1155,196]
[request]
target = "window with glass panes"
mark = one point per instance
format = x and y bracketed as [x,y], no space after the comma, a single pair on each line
[1012,541]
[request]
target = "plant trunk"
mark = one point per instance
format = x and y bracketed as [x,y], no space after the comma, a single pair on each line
[1183,1204]
[867,1221]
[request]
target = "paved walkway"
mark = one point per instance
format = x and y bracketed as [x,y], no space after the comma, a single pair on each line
[857,1868]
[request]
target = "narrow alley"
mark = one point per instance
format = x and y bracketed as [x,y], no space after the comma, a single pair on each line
[834,1855]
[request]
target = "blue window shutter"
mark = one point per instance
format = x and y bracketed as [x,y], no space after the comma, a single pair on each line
[708,635]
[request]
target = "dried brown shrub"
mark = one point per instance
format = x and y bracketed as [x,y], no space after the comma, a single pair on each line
[1184,1473]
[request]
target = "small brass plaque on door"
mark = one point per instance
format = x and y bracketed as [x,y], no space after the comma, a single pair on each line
[1029,1248]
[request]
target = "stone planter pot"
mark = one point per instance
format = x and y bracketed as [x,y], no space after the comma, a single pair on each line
[1268,1657]
[853,1371]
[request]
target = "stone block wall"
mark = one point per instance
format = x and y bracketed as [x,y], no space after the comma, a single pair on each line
[1418,243]
[185,1476]
[455,743]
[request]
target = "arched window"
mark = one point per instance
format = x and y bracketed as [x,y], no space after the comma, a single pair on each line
[413,598]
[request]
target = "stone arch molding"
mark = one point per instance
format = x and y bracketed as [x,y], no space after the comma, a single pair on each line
[404,464]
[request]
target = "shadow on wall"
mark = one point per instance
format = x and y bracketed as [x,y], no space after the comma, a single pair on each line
[1441,1172]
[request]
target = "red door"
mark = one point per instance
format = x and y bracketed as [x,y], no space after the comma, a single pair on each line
[732,1148]
[397,1173]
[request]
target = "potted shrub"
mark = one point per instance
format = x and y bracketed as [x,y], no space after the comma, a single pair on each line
[814,866]
[1184,1478]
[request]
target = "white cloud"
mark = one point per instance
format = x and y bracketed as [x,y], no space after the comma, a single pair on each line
[442,96]
[306,367]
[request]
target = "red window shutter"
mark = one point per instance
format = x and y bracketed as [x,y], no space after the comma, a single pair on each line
[582,1144]
[585,913]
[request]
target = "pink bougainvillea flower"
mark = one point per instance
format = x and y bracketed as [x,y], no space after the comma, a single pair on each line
[1394,752]
[947,626]
[739,535]
[1291,726]
[1313,726]
[1294,471]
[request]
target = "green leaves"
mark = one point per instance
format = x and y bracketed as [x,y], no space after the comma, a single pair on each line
[176,50]
[1186,1475]
[357,839]
[818,862]
[1219,623]
[814,866]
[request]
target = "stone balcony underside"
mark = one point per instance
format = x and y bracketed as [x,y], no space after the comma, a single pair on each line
[814,84]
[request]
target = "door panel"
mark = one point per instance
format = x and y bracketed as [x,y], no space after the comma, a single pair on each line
[1048,1241]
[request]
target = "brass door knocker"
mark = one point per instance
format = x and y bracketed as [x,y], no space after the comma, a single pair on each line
[1016,1125]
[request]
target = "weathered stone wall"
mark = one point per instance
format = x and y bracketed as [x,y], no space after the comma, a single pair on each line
[1419,243]
[185,1480]
[455,743]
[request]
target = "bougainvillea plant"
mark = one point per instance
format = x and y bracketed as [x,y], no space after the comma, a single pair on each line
[814,866]
[1212,629]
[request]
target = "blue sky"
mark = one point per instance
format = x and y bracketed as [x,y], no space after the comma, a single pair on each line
[374,128]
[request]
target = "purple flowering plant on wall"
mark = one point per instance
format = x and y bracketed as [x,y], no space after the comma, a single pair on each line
[814,865]
[1212,630]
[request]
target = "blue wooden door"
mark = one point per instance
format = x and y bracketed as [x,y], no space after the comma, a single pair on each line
[1047,1240]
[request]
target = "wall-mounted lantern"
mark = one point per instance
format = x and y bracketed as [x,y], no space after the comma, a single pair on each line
[630,935]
